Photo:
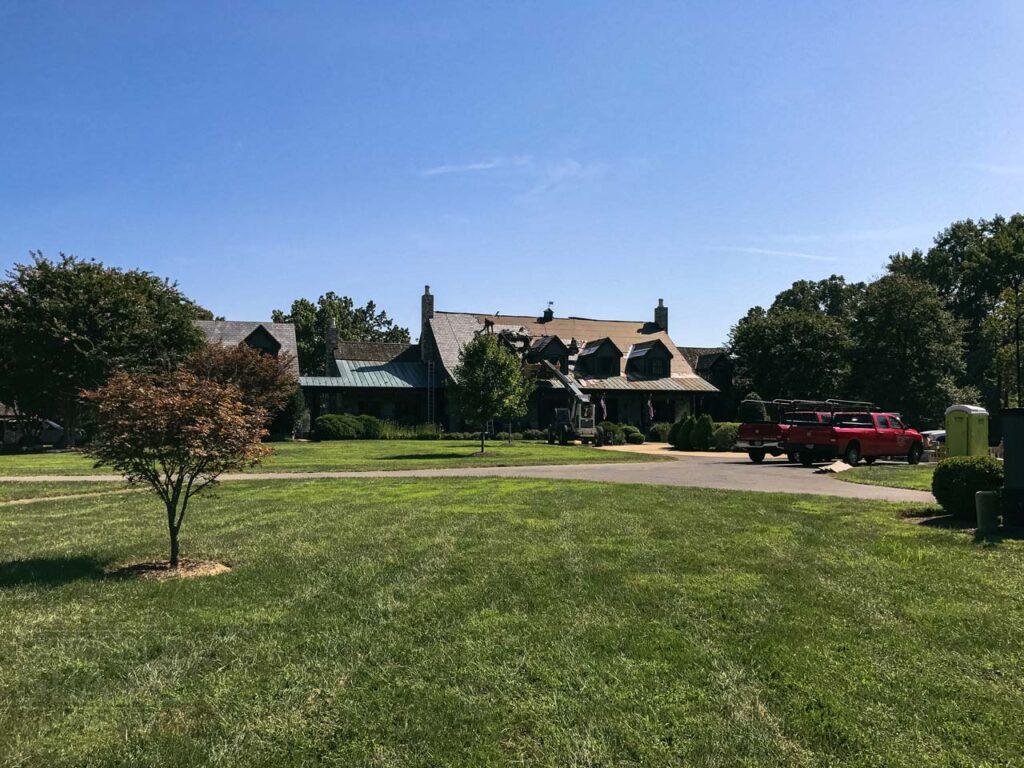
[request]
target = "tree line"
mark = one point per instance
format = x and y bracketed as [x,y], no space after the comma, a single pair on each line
[939,326]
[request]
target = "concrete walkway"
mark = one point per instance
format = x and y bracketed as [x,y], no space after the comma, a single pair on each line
[701,470]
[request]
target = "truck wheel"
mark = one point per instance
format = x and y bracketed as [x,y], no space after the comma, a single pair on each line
[756,456]
[806,458]
[551,437]
[852,454]
[914,457]
[792,457]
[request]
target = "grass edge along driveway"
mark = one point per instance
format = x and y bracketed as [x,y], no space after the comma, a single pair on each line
[360,456]
[499,622]
[915,478]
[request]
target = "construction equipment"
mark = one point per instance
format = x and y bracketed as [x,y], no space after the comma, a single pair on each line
[575,422]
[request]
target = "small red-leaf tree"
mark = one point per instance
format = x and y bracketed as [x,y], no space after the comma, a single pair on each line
[176,433]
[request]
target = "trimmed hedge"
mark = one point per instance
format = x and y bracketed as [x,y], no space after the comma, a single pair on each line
[957,479]
[700,438]
[724,436]
[534,434]
[337,426]
[635,438]
[613,433]
[372,427]
[658,432]
[684,434]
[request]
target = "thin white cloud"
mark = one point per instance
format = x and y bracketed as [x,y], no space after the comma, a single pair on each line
[565,172]
[484,165]
[780,254]
[998,169]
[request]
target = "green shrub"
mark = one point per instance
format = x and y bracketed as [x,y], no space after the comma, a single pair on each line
[957,479]
[504,436]
[337,426]
[724,436]
[700,438]
[535,434]
[629,429]
[752,411]
[635,438]
[613,434]
[659,431]
[684,434]
[371,427]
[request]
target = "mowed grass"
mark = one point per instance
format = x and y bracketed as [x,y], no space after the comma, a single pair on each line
[917,478]
[358,456]
[508,622]
[13,491]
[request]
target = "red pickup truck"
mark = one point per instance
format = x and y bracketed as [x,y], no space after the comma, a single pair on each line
[857,435]
[761,438]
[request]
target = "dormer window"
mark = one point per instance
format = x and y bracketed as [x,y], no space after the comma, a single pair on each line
[649,358]
[599,358]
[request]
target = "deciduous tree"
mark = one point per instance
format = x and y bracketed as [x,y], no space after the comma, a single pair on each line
[353,323]
[177,433]
[66,325]
[489,382]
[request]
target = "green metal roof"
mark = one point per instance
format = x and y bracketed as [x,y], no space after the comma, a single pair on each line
[373,374]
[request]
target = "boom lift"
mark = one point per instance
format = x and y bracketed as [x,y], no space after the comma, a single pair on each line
[575,422]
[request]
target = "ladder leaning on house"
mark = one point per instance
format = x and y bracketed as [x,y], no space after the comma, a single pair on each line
[431,405]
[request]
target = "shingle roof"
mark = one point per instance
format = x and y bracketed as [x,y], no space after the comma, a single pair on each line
[693,354]
[453,329]
[229,332]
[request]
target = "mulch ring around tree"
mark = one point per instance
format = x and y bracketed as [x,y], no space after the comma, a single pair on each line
[161,570]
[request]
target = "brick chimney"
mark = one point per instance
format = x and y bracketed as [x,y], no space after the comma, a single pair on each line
[661,315]
[426,312]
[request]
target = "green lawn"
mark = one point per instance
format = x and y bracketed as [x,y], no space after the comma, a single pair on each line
[13,491]
[917,478]
[508,622]
[359,456]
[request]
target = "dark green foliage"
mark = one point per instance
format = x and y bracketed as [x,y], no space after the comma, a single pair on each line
[635,438]
[957,479]
[659,432]
[800,345]
[613,433]
[505,436]
[372,427]
[752,410]
[534,434]
[724,436]
[630,429]
[684,434]
[909,350]
[351,322]
[66,325]
[489,383]
[337,426]
[700,438]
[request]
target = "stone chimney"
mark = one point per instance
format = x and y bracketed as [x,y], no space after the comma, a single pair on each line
[330,342]
[549,314]
[661,315]
[426,312]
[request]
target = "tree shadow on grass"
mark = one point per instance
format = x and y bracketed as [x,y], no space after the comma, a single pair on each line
[49,571]
[935,517]
[428,456]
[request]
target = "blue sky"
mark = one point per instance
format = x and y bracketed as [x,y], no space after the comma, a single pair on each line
[597,155]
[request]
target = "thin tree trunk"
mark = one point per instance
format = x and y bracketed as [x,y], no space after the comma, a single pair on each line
[483,437]
[173,531]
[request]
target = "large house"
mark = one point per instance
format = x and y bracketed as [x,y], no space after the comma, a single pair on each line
[630,368]
[270,338]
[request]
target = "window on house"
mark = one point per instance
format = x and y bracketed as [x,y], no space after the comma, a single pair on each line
[657,367]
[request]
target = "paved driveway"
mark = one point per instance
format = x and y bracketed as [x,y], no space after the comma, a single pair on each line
[727,471]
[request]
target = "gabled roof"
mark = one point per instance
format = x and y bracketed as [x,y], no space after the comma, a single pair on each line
[591,347]
[700,358]
[451,330]
[641,349]
[541,343]
[231,332]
